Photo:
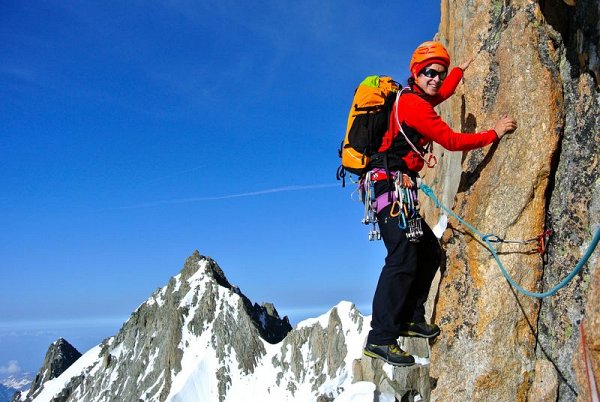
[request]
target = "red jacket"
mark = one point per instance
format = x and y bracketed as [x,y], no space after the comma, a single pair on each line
[420,121]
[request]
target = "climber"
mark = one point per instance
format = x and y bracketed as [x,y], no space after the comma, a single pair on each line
[411,264]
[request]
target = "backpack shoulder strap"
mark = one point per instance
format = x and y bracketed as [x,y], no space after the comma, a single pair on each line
[409,142]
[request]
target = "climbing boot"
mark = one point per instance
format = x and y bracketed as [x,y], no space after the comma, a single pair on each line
[391,354]
[419,330]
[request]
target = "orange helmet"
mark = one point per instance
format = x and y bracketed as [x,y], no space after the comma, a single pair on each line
[428,53]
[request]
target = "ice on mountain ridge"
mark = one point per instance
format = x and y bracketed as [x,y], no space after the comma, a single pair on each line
[200,273]
[177,279]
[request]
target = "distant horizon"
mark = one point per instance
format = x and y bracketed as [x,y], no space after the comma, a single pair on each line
[110,326]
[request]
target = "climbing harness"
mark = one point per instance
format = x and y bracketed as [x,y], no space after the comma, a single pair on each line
[488,239]
[404,200]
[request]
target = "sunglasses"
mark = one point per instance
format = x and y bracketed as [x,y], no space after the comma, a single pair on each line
[431,73]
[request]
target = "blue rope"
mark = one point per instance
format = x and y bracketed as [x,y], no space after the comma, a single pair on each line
[429,192]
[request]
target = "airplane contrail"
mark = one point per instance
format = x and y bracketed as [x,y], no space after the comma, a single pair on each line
[228,196]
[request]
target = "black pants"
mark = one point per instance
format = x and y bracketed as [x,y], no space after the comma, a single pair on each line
[404,281]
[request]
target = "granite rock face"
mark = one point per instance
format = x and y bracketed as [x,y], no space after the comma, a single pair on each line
[538,62]
[574,205]
[586,358]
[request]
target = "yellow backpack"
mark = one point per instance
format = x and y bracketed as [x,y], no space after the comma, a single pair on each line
[367,123]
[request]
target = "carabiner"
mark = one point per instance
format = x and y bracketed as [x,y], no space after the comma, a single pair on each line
[429,160]
[394,213]
[409,199]
[542,240]
[402,222]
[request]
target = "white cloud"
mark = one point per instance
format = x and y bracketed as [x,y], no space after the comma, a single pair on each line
[12,367]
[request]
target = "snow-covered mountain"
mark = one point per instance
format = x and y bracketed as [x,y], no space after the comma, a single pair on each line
[200,339]
[20,381]
[12,384]
[59,357]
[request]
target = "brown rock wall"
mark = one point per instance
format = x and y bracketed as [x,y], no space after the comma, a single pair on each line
[487,347]
[538,61]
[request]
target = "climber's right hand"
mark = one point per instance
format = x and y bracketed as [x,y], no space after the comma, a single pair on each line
[505,125]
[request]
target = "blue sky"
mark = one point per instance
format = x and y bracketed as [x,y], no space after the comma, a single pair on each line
[133,133]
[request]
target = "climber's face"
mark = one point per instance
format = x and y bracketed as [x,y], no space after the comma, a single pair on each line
[431,77]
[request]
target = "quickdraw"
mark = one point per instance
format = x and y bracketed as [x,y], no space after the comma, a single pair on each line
[404,200]
[540,239]
[486,238]
[366,191]
[408,203]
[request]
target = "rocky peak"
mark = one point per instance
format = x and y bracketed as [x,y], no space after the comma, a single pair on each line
[211,269]
[197,317]
[59,357]
[264,317]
